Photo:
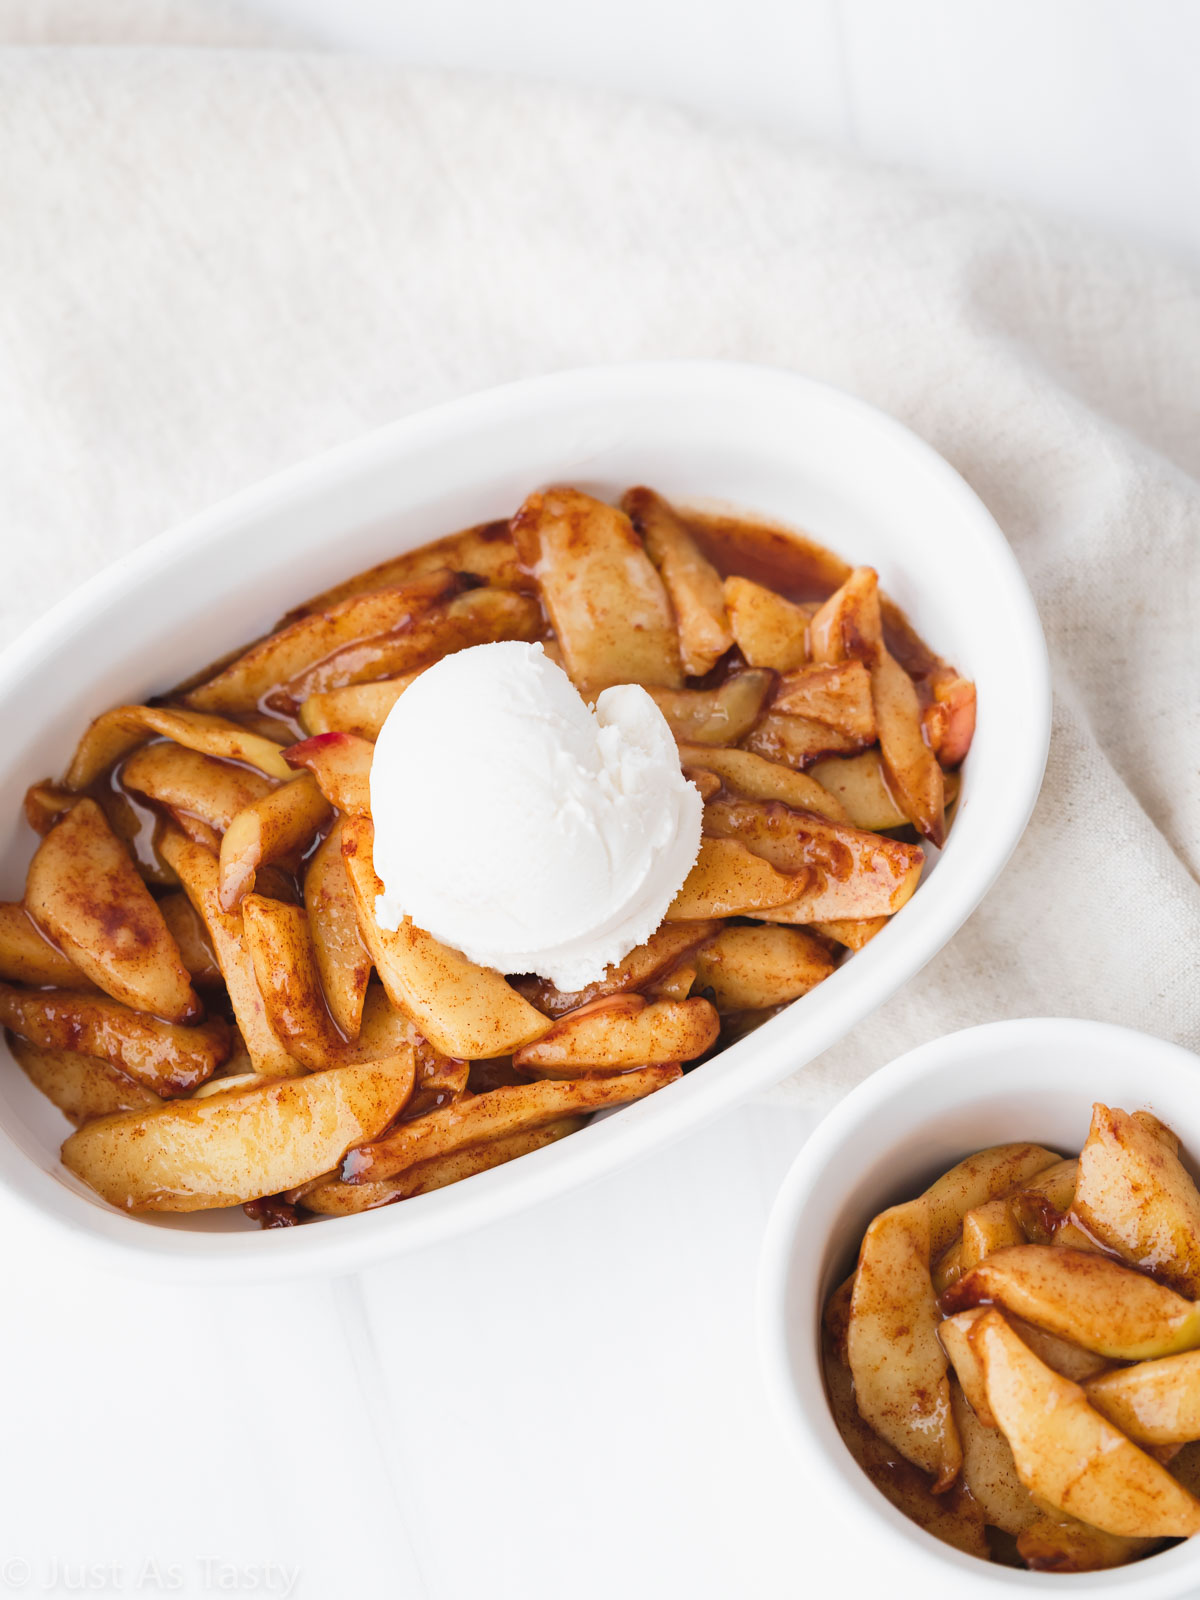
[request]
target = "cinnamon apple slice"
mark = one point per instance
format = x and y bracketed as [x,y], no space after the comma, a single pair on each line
[84,891]
[899,1366]
[849,626]
[1067,1454]
[1083,1297]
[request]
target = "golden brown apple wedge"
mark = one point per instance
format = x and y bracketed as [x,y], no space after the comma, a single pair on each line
[988,1470]
[480,1118]
[1008,1171]
[361,620]
[987,1228]
[284,821]
[1066,1453]
[478,616]
[643,966]
[947,1267]
[949,721]
[770,631]
[988,1174]
[954,1337]
[899,1367]
[467,1011]
[192,783]
[165,1057]
[859,783]
[1058,1543]
[198,831]
[288,977]
[839,695]
[949,1264]
[285,969]
[608,604]
[28,956]
[190,934]
[674,985]
[879,892]
[117,732]
[358,708]
[229,1083]
[953,1516]
[341,764]
[1042,1223]
[914,775]
[747,969]
[1084,1298]
[693,583]
[984,1176]
[199,873]
[82,1087]
[385,1031]
[849,626]
[486,552]
[1135,1196]
[1150,1122]
[342,958]
[1068,1360]
[730,880]
[756,778]
[44,804]
[853,873]
[715,716]
[83,890]
[334,1198]
[230,1148]
[798,741]
[1056,1184]
[853,932]
[619,1031]
[384,1027]
[1060,1355]
[707,784]
[1154,1402]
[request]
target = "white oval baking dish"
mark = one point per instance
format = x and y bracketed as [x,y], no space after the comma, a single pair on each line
[763,441]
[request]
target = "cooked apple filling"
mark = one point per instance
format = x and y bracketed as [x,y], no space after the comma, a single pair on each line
[197,975]
[1015,1361]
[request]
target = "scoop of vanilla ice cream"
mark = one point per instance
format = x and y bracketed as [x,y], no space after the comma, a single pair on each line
[517,825]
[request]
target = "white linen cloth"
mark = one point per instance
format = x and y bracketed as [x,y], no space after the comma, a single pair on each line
[217,261]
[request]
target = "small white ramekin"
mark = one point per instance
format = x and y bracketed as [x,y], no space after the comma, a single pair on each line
[1032,1079]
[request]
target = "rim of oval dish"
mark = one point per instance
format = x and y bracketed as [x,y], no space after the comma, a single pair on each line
[775,1050]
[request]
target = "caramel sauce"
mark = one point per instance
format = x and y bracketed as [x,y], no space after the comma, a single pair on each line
[790,563]
[133,819]
[802,571]
[272,1211]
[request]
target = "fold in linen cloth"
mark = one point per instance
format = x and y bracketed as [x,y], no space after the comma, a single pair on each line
[217,261]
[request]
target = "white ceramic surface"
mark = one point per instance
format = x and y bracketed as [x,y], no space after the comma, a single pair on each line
[762,440]
[1031,1079]
[1108,131]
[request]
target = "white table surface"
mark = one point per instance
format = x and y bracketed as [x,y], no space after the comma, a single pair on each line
[568,1404]
[1084,108]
